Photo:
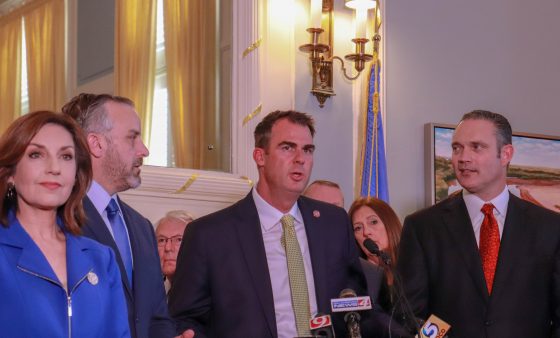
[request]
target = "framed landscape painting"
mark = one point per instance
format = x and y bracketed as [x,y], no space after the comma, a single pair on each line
[534,172]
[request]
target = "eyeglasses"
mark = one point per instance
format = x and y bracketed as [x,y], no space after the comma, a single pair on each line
[175,240]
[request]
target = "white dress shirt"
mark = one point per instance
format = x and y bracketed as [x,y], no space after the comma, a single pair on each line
[475,203]
[278,267]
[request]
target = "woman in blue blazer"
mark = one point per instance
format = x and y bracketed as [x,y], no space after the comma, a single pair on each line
[54,283]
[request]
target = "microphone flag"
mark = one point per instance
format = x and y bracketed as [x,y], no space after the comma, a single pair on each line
[434,327]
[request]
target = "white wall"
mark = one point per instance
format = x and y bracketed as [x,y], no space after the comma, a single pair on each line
[445,58]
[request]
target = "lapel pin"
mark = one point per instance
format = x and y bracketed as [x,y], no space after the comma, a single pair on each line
[316,213]
[92,278]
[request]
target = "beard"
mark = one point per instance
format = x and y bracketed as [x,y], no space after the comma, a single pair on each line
[123,175]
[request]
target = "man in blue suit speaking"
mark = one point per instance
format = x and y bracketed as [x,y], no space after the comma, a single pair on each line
[267,264]
[113,131]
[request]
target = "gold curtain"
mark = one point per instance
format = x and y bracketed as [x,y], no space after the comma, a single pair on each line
[190,52]
[135,53]
[10,70]
[44,32]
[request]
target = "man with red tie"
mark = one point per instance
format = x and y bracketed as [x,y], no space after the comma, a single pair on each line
[483,260]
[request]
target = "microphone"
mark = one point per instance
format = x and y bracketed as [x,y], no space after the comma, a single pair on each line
[434,327]
[350,303]
[408,319]
[372,247]
[321,326]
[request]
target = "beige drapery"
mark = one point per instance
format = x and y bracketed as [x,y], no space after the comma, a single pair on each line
[135,40]
[44,32]
[10,70]
[190,34]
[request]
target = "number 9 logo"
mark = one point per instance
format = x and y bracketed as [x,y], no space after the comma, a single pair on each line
[320,321]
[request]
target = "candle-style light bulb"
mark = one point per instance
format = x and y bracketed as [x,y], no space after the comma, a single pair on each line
[316,13]
[361,22]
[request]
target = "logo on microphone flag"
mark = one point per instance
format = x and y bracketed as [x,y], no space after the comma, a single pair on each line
[434,327]
[319,322]
[351,304]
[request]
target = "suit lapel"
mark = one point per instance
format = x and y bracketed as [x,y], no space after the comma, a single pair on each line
[98,229]
[457,220]
[78,261]
[31,259]
[514,236]
[132,236]
[249,235]
[317,252]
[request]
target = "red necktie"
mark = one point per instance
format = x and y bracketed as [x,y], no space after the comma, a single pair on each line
[489,244]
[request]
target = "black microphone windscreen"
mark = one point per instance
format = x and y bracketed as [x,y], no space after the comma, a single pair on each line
[371,246]
[347,293]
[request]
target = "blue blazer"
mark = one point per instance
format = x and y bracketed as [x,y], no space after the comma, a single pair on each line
[146,302]
[222,287]
[33,302]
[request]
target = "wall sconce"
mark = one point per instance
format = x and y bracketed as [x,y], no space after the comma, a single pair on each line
[321,47]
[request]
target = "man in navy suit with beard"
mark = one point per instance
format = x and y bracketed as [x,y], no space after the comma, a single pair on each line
[113,131]
[232,276]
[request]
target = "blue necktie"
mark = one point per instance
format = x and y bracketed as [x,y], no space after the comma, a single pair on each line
[120,236]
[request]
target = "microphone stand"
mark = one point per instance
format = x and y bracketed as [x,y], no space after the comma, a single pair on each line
[408,318]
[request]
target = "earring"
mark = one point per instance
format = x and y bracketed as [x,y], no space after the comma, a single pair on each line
[11,192]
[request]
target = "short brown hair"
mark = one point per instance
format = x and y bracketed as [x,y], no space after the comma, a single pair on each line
[12,148]
[389,218]
[263,129]
[500,122]
[90,113]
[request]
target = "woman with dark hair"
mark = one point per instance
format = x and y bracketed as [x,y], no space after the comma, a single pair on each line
[374,219]
[54,282]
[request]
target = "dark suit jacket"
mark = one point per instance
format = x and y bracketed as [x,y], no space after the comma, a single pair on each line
[374,278]
[442,271]
[384,320]
[222,288]
[147,306]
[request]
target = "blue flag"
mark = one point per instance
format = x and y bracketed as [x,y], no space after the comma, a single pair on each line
[374,164]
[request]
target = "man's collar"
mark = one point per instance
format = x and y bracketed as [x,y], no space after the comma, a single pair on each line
[269,216]
[99,197]
[475,203]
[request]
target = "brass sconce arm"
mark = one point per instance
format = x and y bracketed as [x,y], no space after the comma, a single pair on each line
[351,78]
[322,68]
[359,58]
[321,54]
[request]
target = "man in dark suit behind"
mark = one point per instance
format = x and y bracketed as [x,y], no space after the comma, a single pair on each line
[232,277]
[113,131]
[483,260]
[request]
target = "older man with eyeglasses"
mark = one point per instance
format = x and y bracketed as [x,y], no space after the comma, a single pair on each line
[169,234]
